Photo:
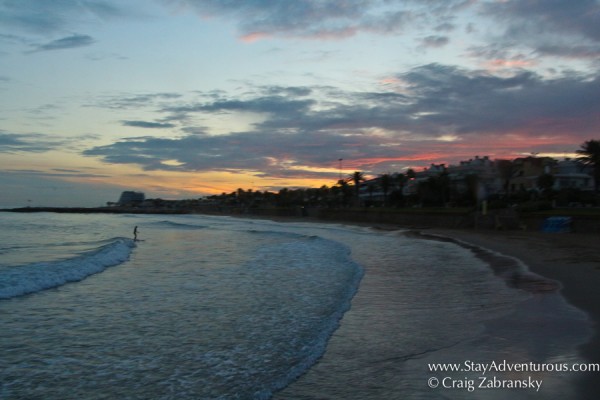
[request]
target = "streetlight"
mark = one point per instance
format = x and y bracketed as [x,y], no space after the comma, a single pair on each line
[340,160]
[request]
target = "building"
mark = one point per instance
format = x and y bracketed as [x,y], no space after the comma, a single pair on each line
[130,198]
[572,174]
[411,187]
[479,174]
[526,171]
[372,191]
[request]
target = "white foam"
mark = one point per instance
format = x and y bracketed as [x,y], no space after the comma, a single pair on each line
[31,278]
[325,287]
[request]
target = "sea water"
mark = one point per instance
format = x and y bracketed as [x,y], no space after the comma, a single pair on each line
[222,308]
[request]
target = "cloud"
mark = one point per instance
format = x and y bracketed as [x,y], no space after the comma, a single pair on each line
[58,173]
[129,101]
[435,41]
[149,125]
[13,39]
[44,17]
[591,52]
[267,104]
[323,19]
[263,153]
[33,143]
[573,17]
[68,42]
[498,53]
[425,115]
[476,102]
[556,28]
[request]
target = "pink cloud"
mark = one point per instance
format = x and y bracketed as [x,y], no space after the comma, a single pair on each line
[254,37]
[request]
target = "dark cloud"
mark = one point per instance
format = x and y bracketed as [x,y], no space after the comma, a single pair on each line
[58,173]
[68,42]
[269,105]
[268,154]
[33,143]
[591,52]
[194,130]
[435,41]
[147,124]
[374,130]
[8,140]
[556,28]
[580,17]
[475,102]
[296,91]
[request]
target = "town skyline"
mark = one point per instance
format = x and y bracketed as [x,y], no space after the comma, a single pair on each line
[182,99]
[518,180]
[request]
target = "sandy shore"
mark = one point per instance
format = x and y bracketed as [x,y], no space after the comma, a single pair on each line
[569,258]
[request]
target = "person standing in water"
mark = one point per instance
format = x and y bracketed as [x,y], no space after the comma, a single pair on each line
[135,232]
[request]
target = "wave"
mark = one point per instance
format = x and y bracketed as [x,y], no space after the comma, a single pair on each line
[179,225]
[320,278]
[279,234]
[31,278]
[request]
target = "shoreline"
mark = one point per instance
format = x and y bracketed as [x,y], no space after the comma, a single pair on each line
[572,259]
[563,263]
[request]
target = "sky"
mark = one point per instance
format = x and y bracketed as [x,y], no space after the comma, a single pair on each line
[188,98]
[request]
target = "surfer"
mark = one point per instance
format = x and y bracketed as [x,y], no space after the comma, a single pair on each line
[135,232]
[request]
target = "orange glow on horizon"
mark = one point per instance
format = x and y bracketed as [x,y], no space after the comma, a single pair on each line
[417,156]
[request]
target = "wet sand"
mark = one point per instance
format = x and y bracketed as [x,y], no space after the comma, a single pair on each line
[570,261]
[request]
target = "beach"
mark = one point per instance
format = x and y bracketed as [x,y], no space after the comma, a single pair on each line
[569,261]
[294,308]
[572,259]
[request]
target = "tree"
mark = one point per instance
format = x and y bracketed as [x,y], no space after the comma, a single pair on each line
[283,198]
[386,182]
[589,154]
[371,189]
[357,177]
[433,191]
[545,183]
[341,191]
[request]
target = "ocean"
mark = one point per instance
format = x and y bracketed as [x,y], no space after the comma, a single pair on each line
[210,307]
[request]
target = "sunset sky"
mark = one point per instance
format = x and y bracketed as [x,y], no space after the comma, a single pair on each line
[184,98]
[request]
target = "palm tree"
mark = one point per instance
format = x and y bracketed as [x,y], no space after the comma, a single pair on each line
[342,191]
[589,154]
[357,177]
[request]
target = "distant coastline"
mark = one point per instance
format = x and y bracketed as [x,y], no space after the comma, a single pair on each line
[585,221]
[91,210]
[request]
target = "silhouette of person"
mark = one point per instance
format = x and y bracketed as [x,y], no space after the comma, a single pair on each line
[135,232]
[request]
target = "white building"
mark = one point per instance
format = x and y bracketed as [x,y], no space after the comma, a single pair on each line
[572,174]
